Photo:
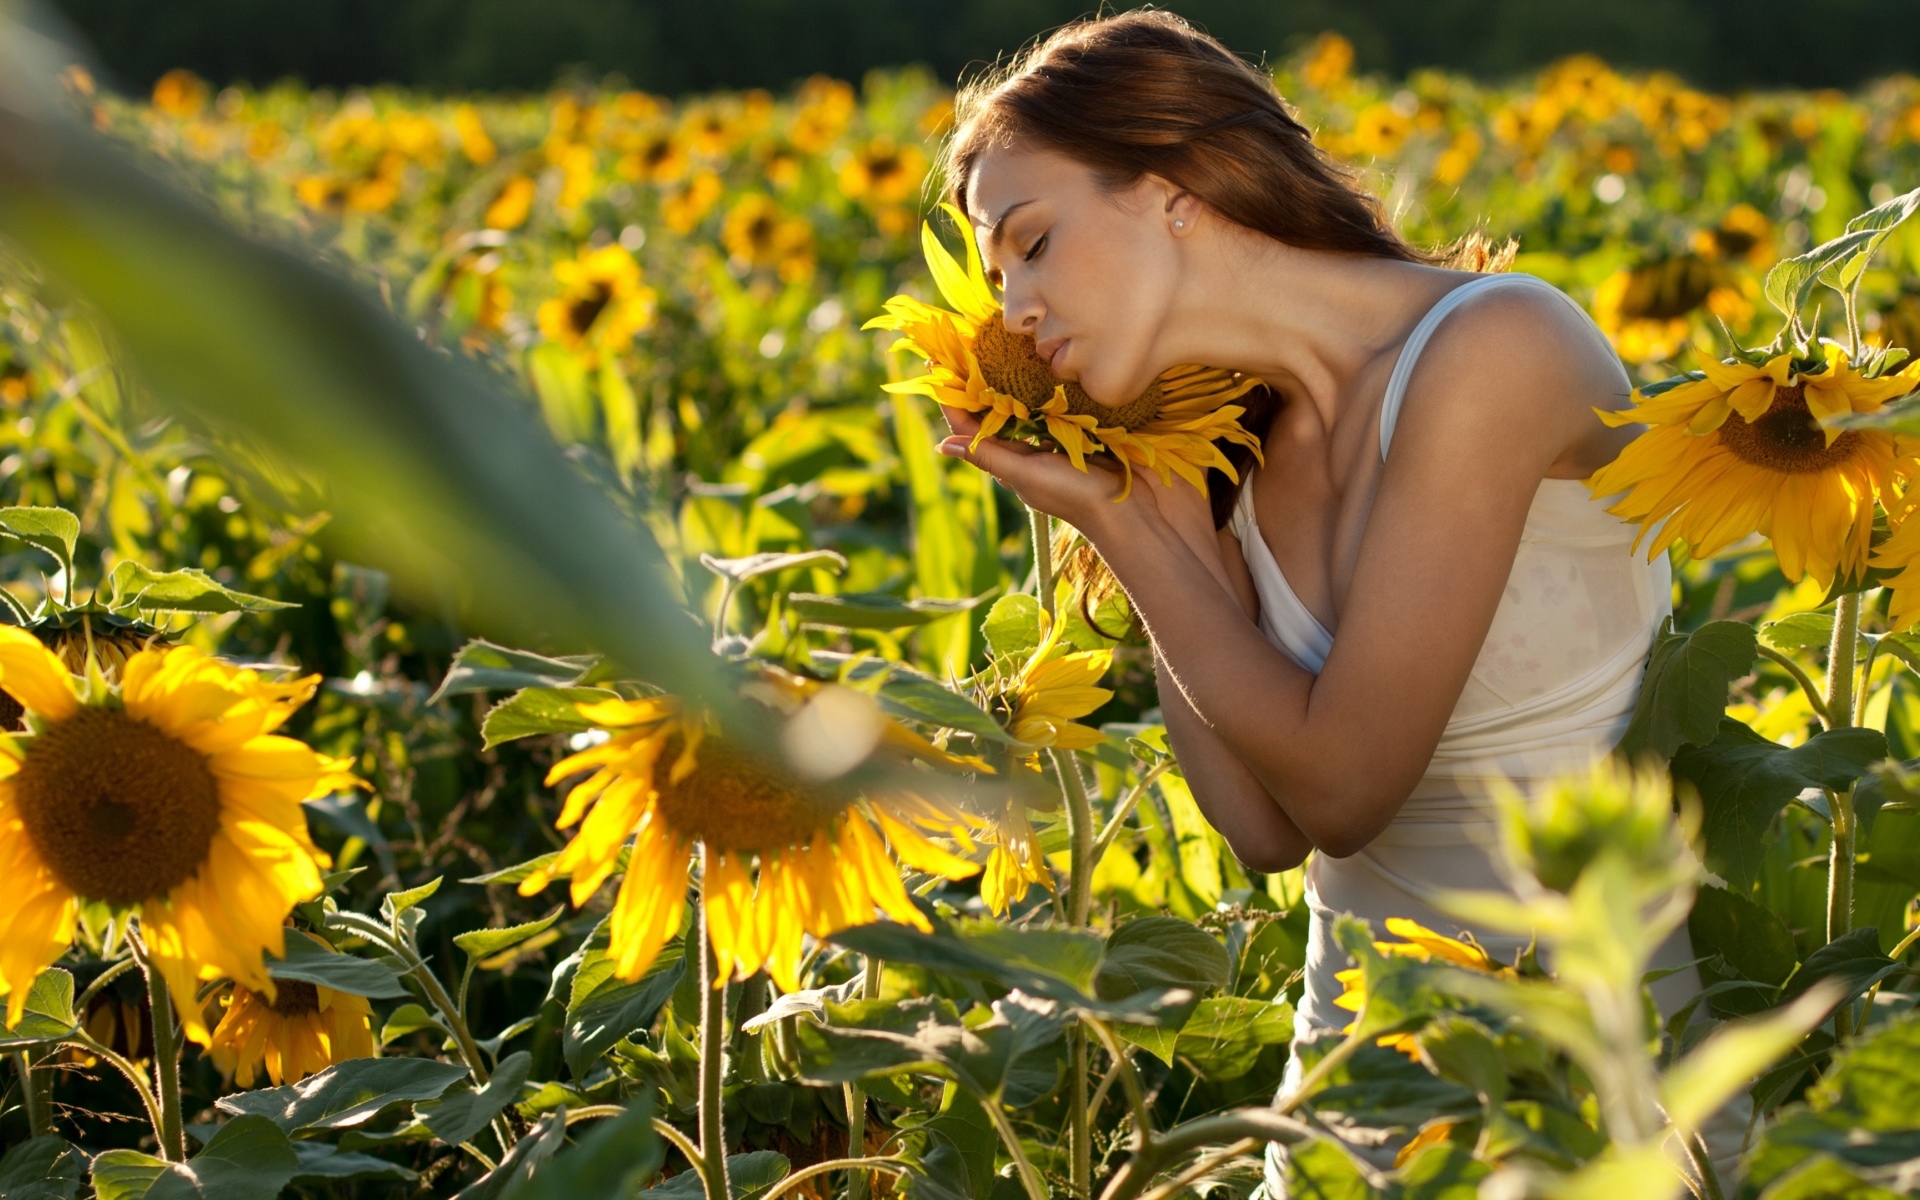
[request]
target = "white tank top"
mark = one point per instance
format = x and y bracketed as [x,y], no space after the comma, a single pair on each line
[1557,677]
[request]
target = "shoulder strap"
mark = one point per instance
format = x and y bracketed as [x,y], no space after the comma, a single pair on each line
[1423,332]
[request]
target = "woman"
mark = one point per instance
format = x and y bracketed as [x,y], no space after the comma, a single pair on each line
[1415,594]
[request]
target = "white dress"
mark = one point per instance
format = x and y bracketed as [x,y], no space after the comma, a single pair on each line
[1553,687]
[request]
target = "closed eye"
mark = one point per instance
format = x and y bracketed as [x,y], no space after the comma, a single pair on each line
[1039,242]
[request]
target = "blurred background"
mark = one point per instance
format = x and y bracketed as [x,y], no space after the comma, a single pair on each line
[679,46]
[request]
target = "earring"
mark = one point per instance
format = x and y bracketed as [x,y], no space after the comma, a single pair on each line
[1179,224]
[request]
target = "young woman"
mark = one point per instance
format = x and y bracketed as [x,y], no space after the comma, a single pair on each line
[1416,594]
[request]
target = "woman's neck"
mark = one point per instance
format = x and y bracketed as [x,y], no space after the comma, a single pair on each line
[1308,322]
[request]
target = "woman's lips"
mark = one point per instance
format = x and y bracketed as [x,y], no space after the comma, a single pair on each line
[1054,359]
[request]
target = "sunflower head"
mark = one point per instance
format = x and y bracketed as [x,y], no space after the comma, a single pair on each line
[784,856]
[602,303]
[169,795]
[301,1030]
[1751,446]
[1422,945]
[975,363]
[1647,311]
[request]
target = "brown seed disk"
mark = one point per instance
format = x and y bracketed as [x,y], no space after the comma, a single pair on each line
[119,811]
[740,802]
[294,998]
[1012,366]
[1786,438]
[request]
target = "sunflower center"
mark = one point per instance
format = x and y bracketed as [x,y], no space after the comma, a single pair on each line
[1013,367]
[119,810]
[294,998]
[582,313]
[742,803]
[1668,290]
[1786,438]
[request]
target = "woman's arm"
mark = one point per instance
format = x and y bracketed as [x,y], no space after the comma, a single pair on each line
[1502,391]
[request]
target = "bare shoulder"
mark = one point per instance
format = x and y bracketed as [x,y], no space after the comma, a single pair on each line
[1524,360]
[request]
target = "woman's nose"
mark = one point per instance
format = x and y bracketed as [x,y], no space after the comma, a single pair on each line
[1023,310]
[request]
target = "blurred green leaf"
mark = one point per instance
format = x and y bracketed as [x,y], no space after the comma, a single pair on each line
[1225,1035]
[614,1157]
[248,1158]
[873,610]
[321,1163]
[749,1175]
[521,1164]
[602,1009]
[434,470]
[54,530]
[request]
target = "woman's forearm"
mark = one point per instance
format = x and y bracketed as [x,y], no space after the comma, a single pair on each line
[1320,768]
[1256,827]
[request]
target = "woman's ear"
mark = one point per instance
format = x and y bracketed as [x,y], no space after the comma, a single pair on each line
[1183,212]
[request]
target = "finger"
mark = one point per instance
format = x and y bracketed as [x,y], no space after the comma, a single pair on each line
[959,420]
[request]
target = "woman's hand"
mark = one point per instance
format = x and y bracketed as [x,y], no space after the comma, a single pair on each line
[1043,479]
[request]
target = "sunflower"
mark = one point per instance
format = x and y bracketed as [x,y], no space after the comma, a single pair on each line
[1647,311]
[511,207]
[1747,448]
[758,233]
[1423,944]
[301,1030]
[169,797]
[602,303]
[666,779]
[975,363]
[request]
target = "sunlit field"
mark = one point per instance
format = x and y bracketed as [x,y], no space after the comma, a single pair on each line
[847,857]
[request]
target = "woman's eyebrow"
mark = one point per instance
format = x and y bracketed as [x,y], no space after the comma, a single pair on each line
[993,233]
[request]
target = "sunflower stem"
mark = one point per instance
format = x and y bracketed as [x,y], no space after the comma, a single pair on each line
[169,1131]
[1840,703]
[32,1099]
[1041,526]
[855,1097]
[713,1048]
[1814,697]
[1079,903]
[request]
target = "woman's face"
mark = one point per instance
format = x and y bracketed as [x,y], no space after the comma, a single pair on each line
[1087,272]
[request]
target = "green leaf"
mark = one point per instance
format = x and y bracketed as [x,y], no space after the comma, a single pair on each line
[1055,963]
[1852,251]
[133,586]
[1684,691]
[248,1158]
[1853,961]
[1148,953]
[313,961]
[49,1012]
[485,943]
[395,903]
[603,1009]
[521,1163]
[912,696]
[322,1163]
[1012,626]
[1804,631]
[434,465]
[540,710]
[748,1176]
[1225,1035]
[481,666]
[517,871]
[1320,1169]
[125,1174]
[41,1168]
[1745,780]
[873,610]
[1790,280]
[613,1159]
[1000,1059]
[54,530]
[406,1019]
[1860,1113]
[463,1110]
[752,566]
[346,1094]
[1751,939]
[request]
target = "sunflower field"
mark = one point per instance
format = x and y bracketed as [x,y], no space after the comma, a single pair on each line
[504,700]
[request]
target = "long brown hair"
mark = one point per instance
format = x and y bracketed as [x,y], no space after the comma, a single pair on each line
[1143,93]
